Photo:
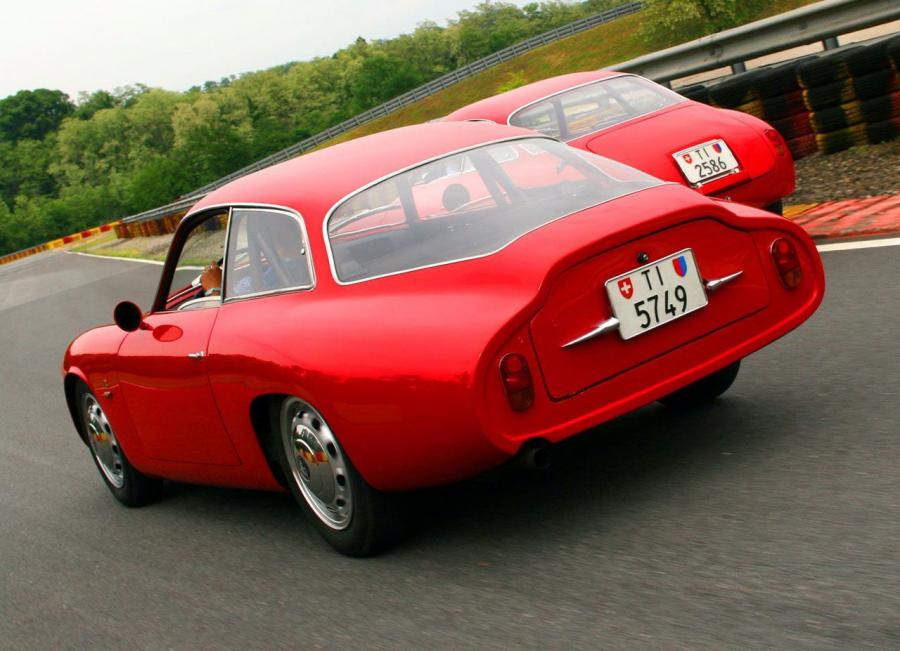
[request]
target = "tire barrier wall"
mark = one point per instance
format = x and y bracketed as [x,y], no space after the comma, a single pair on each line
[58,243]
[820,103]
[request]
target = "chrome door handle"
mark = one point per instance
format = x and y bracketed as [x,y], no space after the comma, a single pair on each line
[198,355]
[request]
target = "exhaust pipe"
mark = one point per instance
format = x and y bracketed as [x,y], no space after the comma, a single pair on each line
[535,455]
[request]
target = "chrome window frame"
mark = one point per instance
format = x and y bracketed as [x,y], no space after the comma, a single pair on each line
[162,295]
[488,143]
[272,208]
[590,83]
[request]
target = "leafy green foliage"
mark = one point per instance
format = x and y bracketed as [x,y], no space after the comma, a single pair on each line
[32,113]
[668,22]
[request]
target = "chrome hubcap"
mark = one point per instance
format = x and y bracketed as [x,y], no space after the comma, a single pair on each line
[103,442]
[317,463]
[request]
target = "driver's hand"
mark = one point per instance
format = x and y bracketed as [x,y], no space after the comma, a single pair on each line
[211,278]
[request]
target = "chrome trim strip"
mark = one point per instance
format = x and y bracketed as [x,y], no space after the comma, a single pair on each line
[715,283]
[609,325]
[588,83]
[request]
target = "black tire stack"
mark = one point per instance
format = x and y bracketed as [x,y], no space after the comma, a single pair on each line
[784,108]
[825,102]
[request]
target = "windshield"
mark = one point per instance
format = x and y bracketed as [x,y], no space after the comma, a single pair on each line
[468,205]
[586,109]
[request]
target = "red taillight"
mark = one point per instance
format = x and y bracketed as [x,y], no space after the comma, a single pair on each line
[786,261]
[777,141]
[517,381]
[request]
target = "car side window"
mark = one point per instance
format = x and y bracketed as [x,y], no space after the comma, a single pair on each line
[267,252]
[595,106]
[204,245]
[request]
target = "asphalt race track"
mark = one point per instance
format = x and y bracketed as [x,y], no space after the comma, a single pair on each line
[770,519]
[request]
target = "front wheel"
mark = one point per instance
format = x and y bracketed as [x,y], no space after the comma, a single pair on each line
[127,484]
[353,517]
[703,391]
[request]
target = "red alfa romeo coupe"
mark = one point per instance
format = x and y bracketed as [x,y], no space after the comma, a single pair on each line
[418,306]
[721,153]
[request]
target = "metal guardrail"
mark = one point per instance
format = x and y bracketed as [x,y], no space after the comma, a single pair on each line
[822,21]
[398,102]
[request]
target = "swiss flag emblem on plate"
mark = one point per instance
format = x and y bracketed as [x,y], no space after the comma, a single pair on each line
[626,288]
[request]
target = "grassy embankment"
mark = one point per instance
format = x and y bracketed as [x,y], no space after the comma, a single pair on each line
[603,45]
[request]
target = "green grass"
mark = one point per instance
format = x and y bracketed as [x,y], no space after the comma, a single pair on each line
[141,248]
[601,46]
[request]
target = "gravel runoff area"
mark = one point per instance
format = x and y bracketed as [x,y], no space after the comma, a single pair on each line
[856,173]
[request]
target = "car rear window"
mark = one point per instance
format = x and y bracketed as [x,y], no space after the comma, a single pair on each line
[468,204]
[586,109]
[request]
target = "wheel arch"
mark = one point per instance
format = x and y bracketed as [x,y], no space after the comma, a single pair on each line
[265,411]
[70,385]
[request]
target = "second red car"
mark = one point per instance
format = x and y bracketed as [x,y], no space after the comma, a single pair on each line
[721,153]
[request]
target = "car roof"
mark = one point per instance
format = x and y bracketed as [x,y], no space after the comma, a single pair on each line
[314,182]
[499,107]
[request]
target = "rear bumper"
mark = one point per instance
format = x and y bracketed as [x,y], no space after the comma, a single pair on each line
[555,420]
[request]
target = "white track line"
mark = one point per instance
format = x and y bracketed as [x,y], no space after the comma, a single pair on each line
[112,257]
[863,244]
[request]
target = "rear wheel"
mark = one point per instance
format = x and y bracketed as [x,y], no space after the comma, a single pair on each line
[703,391]
[353,517]
[127,484]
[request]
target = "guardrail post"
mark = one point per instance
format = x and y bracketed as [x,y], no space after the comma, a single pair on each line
[830,43]
[738,67]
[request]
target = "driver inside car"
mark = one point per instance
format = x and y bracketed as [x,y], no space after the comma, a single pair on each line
[285,239]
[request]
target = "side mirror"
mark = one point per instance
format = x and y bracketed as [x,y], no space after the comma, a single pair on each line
[128,316]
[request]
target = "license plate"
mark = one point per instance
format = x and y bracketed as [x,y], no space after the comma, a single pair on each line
[704,163]
[662,291]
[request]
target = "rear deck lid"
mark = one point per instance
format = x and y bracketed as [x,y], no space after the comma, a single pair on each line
[693,254]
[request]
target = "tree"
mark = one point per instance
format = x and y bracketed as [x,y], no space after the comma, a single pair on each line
[380,78]
[666,22]
[33,113]
[90,103]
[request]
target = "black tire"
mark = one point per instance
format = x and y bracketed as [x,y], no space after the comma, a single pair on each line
[883,131]
[835,141]
[876,84]
[784,106]
[697,92]
[703,391]
[826,68]
[821,97]
[893,51]
[776,207]
[736,90]
[376,519]
[880,109]
[868,59]
[835,118]
[775,82]
[136,489]
[803,146]
[794,126]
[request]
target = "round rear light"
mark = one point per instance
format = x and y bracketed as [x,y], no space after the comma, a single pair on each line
[517,382]
[787,262]
[777,141]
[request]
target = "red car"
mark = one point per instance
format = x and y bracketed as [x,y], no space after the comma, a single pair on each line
[721,153]
[418,306]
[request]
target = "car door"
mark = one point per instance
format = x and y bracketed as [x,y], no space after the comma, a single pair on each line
[163,365]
